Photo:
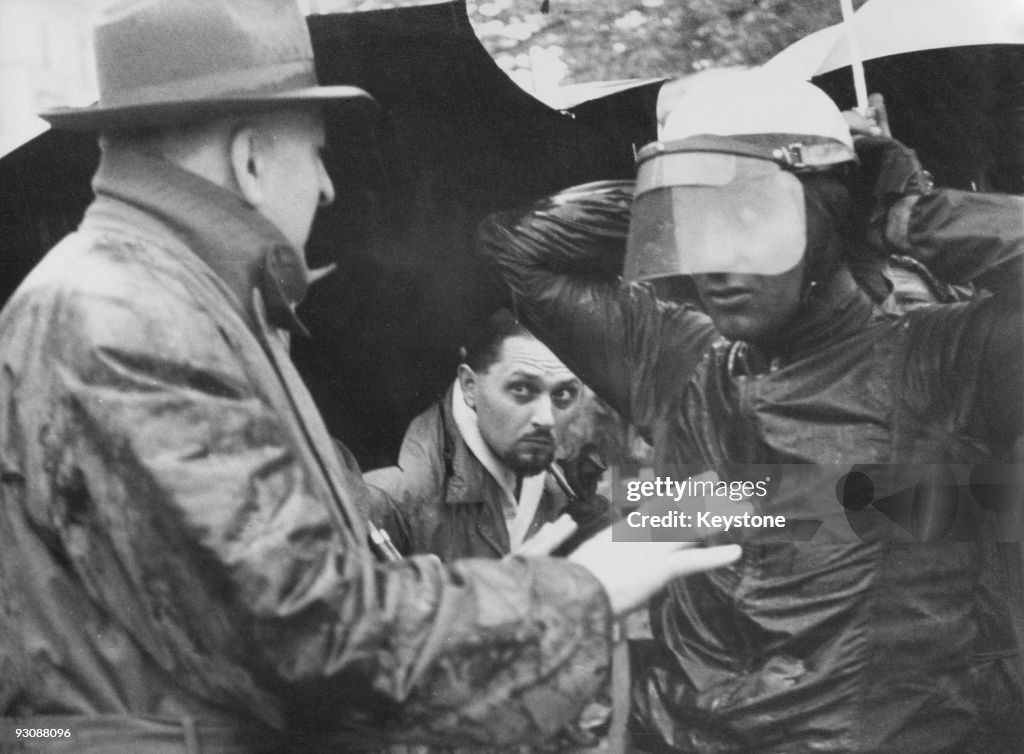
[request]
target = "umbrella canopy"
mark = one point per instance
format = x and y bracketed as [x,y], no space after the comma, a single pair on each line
[952,73]
[892,27]
[456,140]
[961,109]
[571,95]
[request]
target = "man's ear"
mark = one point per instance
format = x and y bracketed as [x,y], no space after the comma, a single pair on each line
[467,381]
[247,164]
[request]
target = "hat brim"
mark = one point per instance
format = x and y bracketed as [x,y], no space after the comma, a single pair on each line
[98,117]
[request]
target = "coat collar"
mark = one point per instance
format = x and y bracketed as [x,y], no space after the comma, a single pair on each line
[519,513]
[152,197]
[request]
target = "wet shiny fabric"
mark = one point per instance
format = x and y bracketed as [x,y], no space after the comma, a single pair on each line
[834,645]
[179,539]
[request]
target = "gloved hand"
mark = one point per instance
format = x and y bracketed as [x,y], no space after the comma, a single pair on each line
[888,172]
[590,511]
[584,471]
[873,122]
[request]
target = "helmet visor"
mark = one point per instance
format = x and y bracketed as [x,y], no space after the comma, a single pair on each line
[702,212]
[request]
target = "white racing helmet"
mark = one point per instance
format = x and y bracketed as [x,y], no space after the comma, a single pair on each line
[719,191]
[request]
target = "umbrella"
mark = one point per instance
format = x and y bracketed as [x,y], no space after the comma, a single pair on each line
[952,73]
[892,27]
[457,140]
[572,95]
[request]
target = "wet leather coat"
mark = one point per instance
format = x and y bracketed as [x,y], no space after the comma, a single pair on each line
[837,645]
[179,542]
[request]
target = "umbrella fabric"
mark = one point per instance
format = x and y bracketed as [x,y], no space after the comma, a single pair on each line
[952,73]
[44,189]
[572,95]
[960,108]
[891,27]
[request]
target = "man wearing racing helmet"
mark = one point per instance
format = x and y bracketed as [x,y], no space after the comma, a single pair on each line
[859,638]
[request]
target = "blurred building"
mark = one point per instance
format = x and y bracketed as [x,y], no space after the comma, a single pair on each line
[45,61]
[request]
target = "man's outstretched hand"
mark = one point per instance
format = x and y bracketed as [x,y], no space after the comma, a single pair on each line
[631,572]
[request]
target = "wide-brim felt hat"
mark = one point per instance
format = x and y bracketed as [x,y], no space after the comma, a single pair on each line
[162,62]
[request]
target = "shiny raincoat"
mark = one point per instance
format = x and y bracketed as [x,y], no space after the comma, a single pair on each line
[844,643]
[182,564]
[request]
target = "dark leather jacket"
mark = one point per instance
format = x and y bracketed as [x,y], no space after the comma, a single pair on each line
[845,643]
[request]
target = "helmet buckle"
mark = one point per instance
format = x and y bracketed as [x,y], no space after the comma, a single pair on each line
[791,156]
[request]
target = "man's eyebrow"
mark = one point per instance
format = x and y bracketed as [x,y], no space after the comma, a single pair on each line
[539,363]
[523,374]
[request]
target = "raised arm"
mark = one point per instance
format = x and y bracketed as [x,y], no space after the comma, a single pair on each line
[562,258]
[966,237]
[962,236]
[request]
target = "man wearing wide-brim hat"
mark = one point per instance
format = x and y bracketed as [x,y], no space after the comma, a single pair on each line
[183,567]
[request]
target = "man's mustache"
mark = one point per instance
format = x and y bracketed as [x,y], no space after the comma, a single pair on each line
[544,435]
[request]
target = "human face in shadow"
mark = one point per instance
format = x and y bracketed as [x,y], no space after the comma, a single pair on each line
[752,308]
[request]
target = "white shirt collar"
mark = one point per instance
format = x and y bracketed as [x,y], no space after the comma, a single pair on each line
[518,513]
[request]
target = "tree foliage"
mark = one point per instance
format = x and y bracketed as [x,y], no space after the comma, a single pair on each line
[613,39]
[603,40]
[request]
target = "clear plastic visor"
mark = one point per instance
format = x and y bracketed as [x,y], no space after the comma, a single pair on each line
[700,212]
